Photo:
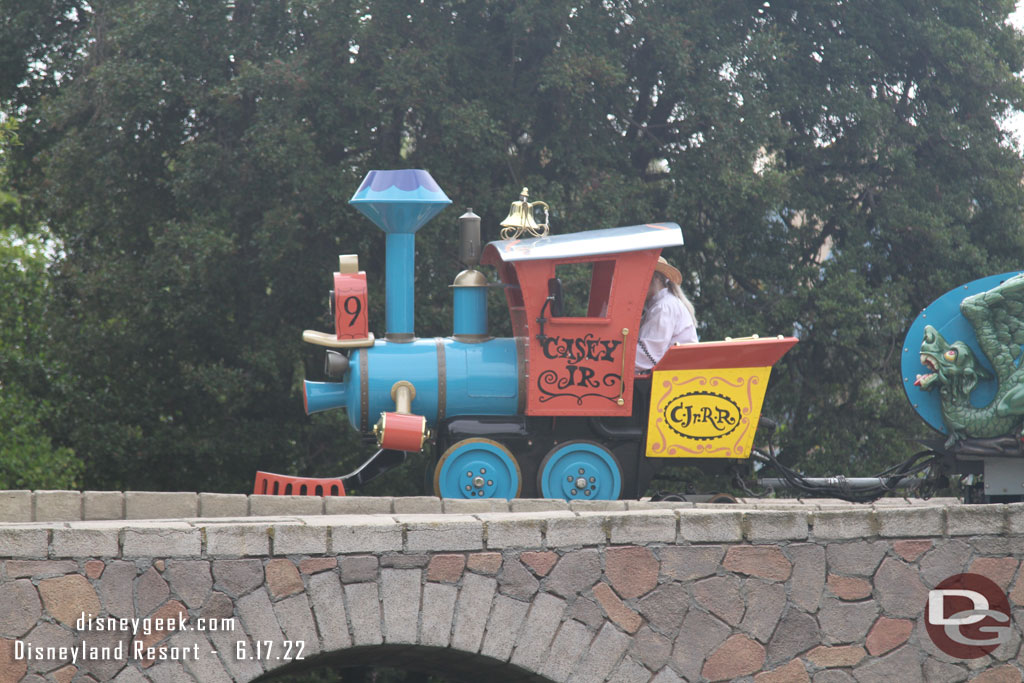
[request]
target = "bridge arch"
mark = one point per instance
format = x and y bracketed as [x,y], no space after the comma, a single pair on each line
[452,664]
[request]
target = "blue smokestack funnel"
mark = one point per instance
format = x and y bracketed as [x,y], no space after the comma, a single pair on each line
[400,203]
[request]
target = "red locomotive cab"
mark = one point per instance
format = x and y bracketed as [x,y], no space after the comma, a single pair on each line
[575,301]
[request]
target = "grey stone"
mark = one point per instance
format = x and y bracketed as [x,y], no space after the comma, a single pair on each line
[20,608]
[471,611]
[776,525]
[710,526]
[808,577]
[911,522]
[15,506]
[944,560]
[357,505]
[700,634]
[513,531]
[363,606]
[301,539]
[24,541]
[642,526]
[568,530]
[39,569]
[237,540]
[227,644]
[57,506]
[899,590]
[586,611]
[400,593]
[218,606]
[503,626]
[598,506]
[168,539]
[296,620]
[846,622]
[405,560]
[543,505]
[517,581]
[102,505]
[628,671]
[279,506]
[575,572]
[859,558]
[103,668]
[260,622]
[417,505]
[151,591]
[653,649]
[690,562]
[604,653]
[131,675]
[833,676]
[160,505]
[976,520]
[665,608]
[427,533]
[237,577]
[902,665]
[116,589]
[720,595]
[358,569]
[204,667]
[568,646]
[797,632]
[666,675]
[190,580]
[365,534]
[328,602]
[833,525]
[79,541]
[223,505]
[765,602]
[537,633]
[438,614]
[934,670]
[169,672]
[462,506]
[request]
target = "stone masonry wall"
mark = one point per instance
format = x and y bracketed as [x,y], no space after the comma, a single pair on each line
[798,592]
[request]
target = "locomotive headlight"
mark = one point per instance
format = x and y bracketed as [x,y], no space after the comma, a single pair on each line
[335,364]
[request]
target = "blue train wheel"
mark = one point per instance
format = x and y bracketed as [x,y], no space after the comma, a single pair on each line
[580,470]
[477,468]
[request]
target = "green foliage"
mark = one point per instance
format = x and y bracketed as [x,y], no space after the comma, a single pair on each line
[29,374]
[835,167]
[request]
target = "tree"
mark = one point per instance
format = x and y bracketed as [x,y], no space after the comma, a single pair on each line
[834,169]
[30,375]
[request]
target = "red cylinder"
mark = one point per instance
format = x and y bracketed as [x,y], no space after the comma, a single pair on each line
[401,432]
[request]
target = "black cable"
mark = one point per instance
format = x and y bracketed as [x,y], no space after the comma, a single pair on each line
[888,479]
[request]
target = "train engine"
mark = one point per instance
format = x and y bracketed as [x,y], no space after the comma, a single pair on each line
[554,411]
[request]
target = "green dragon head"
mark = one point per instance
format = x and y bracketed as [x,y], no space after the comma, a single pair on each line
[954,366]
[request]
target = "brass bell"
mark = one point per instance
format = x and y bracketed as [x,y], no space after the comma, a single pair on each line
[520,219]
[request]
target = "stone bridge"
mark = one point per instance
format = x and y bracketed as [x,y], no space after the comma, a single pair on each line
[238,588]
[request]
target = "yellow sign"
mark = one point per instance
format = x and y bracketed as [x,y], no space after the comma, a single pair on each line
[706,413]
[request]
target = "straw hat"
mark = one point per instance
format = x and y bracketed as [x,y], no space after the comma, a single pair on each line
[663,267]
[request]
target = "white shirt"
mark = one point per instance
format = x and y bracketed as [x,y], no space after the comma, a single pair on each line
[665,322]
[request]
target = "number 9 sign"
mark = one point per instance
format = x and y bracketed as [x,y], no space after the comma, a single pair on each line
[350,317]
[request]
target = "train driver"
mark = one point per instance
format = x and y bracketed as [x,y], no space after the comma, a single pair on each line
[668,317]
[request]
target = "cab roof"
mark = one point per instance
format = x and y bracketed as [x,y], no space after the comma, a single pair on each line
[589,243]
